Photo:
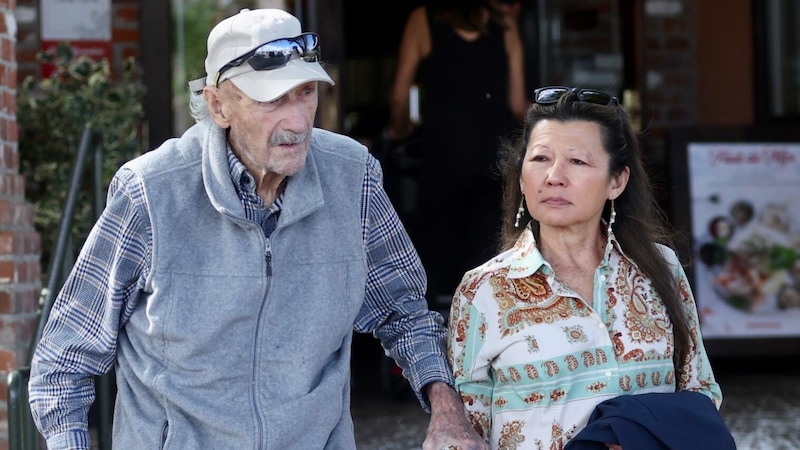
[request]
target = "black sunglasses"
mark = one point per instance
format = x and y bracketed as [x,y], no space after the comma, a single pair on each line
[276,54]
[550,94]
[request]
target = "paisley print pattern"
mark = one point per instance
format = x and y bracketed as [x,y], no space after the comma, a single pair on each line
[531,361]
[533,346]
[529,301]
[575,334]
[511,436]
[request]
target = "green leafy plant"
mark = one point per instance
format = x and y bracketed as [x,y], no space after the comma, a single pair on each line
[52,114]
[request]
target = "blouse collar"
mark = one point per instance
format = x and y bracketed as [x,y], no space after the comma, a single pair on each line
[526,259]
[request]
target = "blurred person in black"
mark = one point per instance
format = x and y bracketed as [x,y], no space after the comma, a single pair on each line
[468,59]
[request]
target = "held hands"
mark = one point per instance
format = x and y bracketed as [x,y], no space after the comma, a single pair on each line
[449,427]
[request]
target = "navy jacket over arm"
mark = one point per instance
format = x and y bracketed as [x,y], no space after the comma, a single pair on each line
[684,420]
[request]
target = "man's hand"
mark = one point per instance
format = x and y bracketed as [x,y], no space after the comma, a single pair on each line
[449,427]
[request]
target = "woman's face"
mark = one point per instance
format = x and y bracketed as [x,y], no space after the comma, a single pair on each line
[565,174]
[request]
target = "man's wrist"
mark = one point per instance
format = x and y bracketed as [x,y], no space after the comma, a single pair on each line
[442,397]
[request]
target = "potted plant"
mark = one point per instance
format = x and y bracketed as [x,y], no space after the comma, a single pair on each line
[52,114]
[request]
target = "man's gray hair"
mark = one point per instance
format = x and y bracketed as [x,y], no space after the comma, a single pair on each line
[198,107]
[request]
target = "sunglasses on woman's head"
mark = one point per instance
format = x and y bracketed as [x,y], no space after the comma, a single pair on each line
[550,94]
[276,54]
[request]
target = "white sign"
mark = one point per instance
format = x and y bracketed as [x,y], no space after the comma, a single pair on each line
[75,20]
[745,205]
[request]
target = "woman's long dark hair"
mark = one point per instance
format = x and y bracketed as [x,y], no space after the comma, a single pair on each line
[640,222]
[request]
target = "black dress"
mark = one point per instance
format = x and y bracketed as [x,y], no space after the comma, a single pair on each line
[465,111]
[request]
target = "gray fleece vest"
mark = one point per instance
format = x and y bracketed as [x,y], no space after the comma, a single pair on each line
[239,342]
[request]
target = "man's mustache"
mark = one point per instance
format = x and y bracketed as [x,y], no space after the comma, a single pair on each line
[285,137]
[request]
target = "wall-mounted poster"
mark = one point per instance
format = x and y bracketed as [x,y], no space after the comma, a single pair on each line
[76,20]
[745,225]
[84,24]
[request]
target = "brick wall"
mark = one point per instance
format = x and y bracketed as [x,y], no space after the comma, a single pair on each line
[669,63]
[20,283]
[669,83]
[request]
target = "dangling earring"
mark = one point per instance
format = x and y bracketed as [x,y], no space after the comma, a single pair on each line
[611,218]
[520,211]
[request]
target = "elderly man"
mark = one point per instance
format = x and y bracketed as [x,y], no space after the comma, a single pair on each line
[230,267]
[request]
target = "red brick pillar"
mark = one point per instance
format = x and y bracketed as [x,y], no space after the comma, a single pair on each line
[20,272]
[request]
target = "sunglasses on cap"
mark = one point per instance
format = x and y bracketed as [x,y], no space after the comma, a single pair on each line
[550,94]
[276,54]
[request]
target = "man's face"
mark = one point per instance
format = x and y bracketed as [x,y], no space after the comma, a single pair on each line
[270,138]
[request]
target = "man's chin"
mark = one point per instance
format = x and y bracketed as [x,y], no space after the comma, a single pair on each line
[293,165]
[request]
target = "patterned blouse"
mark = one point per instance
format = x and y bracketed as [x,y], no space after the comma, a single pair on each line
[531,359]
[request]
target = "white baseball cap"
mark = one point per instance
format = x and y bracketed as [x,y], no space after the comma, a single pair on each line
[239,34]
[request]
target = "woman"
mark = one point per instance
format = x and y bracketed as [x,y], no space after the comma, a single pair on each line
[467,57]
[586,300]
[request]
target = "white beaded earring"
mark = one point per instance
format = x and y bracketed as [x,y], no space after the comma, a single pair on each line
[520,211]
[611,218]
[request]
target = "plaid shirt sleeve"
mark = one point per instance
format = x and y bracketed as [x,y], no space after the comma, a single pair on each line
[395,309]
[79,339]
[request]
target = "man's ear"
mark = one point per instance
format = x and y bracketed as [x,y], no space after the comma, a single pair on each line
[215,106]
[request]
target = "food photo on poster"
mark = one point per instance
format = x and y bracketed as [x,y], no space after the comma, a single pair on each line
[745,211]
